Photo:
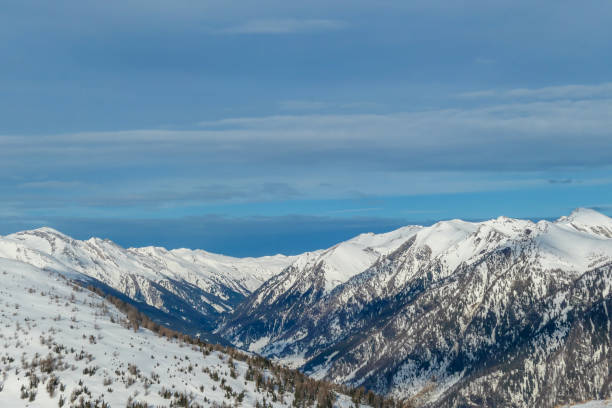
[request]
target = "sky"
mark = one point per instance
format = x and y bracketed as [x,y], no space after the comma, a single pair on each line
[260,127]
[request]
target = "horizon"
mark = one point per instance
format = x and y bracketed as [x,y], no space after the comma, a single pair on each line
[304,250]
[274,127]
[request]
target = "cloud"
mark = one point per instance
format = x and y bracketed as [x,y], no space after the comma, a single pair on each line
[561,181]
[314,105]
[603,90]
[299,105]
[284,26]
[514,136]
[503,145]
[51,185]
[212,193]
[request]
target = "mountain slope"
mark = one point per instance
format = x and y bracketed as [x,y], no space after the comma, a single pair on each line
[66,346]
[194,286]
[498,313]
[278,304]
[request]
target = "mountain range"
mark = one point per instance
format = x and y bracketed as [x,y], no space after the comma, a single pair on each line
[184,289]
[504,312]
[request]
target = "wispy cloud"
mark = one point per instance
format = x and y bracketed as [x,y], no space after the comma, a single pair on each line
[284,26]
[303,105]
[185,195]
[315,156]
[51,185]
[513,136]
[603,90]
[298,105]
[561,181]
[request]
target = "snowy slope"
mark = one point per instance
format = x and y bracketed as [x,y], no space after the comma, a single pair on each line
[192,284]
[336,265]
[64,343]
[572,244]
[449,303]
[247,274]
[588,221]
[310,277]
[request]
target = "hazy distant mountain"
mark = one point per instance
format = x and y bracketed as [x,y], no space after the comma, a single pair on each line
[189,288]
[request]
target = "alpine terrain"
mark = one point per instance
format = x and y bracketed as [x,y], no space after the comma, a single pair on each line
[504,312]
[65,346]
[499,313]
[184,289]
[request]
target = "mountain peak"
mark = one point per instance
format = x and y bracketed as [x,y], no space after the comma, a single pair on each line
[44,237]
[589,221]
[588,215]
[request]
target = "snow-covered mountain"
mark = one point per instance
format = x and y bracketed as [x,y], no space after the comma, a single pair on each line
[65,346]
[281,301]
[189,286]
[504,312]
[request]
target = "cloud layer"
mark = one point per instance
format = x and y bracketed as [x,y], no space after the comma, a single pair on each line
[510,136]
[164,110]
[517,141]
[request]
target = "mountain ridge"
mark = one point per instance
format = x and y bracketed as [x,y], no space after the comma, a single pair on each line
[435,314]
[195,286]
[452,292]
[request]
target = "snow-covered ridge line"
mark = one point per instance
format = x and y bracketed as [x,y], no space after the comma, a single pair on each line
[193,285]
[175,263]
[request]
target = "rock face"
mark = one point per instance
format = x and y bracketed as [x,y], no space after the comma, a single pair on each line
[184,286]
[499,313]
[279,304]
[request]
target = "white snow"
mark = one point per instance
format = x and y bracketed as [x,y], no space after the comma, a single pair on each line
[44,317]
[573,245]
[349,258]
[113,265]
[256,346]
[589,221]
[442,236]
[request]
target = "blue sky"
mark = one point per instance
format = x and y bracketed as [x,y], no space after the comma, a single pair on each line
[252,128]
